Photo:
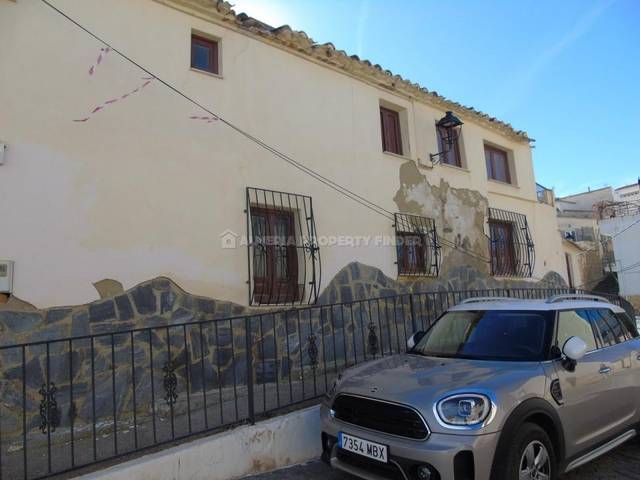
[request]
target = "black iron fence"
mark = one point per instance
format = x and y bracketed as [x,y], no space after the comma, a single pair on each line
[73,402]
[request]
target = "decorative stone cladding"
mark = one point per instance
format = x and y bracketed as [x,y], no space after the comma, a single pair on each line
[157,302]
[358,281]
[190,351]
[162,308]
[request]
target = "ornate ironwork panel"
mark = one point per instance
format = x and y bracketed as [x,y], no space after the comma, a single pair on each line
[312,350]
[511,246]
[373,339]
[170,382]
[417,245]
[49,414]
[283,253]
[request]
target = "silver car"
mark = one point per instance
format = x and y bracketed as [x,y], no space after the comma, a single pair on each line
[497,388]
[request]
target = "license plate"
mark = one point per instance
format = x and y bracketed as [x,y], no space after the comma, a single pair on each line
[363,447]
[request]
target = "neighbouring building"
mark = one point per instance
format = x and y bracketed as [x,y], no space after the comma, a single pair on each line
[585,248]
[629,193]
[109,174]
[605,225]
[621,221]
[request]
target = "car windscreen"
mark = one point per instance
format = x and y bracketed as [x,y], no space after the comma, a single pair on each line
[489,335]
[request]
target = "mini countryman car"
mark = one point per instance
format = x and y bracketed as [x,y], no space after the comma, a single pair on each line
[497,388]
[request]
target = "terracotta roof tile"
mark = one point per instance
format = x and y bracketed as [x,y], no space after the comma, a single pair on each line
[300,42]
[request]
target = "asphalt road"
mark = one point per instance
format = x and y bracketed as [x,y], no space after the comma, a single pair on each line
[622,463]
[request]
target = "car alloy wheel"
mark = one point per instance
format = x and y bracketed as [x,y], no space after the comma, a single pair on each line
[535,463]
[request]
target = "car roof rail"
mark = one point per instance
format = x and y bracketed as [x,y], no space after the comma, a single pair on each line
[576,296]
[489,299]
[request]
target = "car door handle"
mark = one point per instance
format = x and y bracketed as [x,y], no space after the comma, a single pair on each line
[605,370]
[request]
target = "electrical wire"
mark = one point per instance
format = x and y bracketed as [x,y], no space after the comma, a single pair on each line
[330,183]
[303,168]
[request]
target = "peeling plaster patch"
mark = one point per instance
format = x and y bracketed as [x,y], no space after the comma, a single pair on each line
[459,214]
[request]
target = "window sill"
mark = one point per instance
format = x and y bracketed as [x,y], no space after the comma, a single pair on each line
[500,182]
[403,157]
[455,167]
[204,72]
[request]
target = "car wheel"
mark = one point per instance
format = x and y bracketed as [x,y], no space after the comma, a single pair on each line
[530,456]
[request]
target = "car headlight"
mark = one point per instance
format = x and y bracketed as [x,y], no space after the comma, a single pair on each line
[464,410]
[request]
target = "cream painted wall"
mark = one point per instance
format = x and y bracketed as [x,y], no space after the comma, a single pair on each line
[576,262]
[141,190]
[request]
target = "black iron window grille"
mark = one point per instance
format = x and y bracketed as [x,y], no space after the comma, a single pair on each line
[283,251]
[510,243]
[417,245]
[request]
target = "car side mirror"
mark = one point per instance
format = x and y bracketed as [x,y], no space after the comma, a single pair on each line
[414,339]
[573,350]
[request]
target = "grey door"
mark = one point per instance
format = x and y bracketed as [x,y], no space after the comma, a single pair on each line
[586,389]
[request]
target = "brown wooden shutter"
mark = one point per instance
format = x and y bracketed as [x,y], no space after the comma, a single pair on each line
[390,125]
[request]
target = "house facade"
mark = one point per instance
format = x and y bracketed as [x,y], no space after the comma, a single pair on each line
[587,253]
[111,174]
[629,193]
[604,225]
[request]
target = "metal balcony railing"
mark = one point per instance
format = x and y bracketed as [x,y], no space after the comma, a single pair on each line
[544,194]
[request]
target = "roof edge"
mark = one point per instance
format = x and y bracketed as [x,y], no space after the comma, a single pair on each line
[299,43]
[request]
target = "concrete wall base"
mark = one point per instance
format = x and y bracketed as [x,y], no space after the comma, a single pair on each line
[286,440]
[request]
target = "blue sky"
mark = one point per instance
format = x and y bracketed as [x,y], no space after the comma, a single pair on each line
[567,72]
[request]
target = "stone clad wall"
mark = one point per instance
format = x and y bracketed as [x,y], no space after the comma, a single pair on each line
[153,303]
[143,325]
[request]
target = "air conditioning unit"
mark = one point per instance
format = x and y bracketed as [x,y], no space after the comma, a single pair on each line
[6,276]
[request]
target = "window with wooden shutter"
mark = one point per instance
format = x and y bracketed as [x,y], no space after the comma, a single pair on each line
[510,243]
[391,135]
[497,164]
[503,261]
[204,54]
[284,258]
[417,245]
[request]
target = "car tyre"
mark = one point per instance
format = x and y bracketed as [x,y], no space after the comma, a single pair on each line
[530,455]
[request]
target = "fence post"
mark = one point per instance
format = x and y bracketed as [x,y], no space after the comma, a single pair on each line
[250,399]
[413,316]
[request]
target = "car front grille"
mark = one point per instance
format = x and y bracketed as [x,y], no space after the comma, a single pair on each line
[381,416]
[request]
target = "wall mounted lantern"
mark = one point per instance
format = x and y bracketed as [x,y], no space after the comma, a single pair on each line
[448,129]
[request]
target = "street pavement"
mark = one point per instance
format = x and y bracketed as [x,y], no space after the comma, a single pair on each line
[620,464]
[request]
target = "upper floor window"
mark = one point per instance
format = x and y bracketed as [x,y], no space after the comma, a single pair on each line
[391,131]
[452,153]
[204,54]
[497,164]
